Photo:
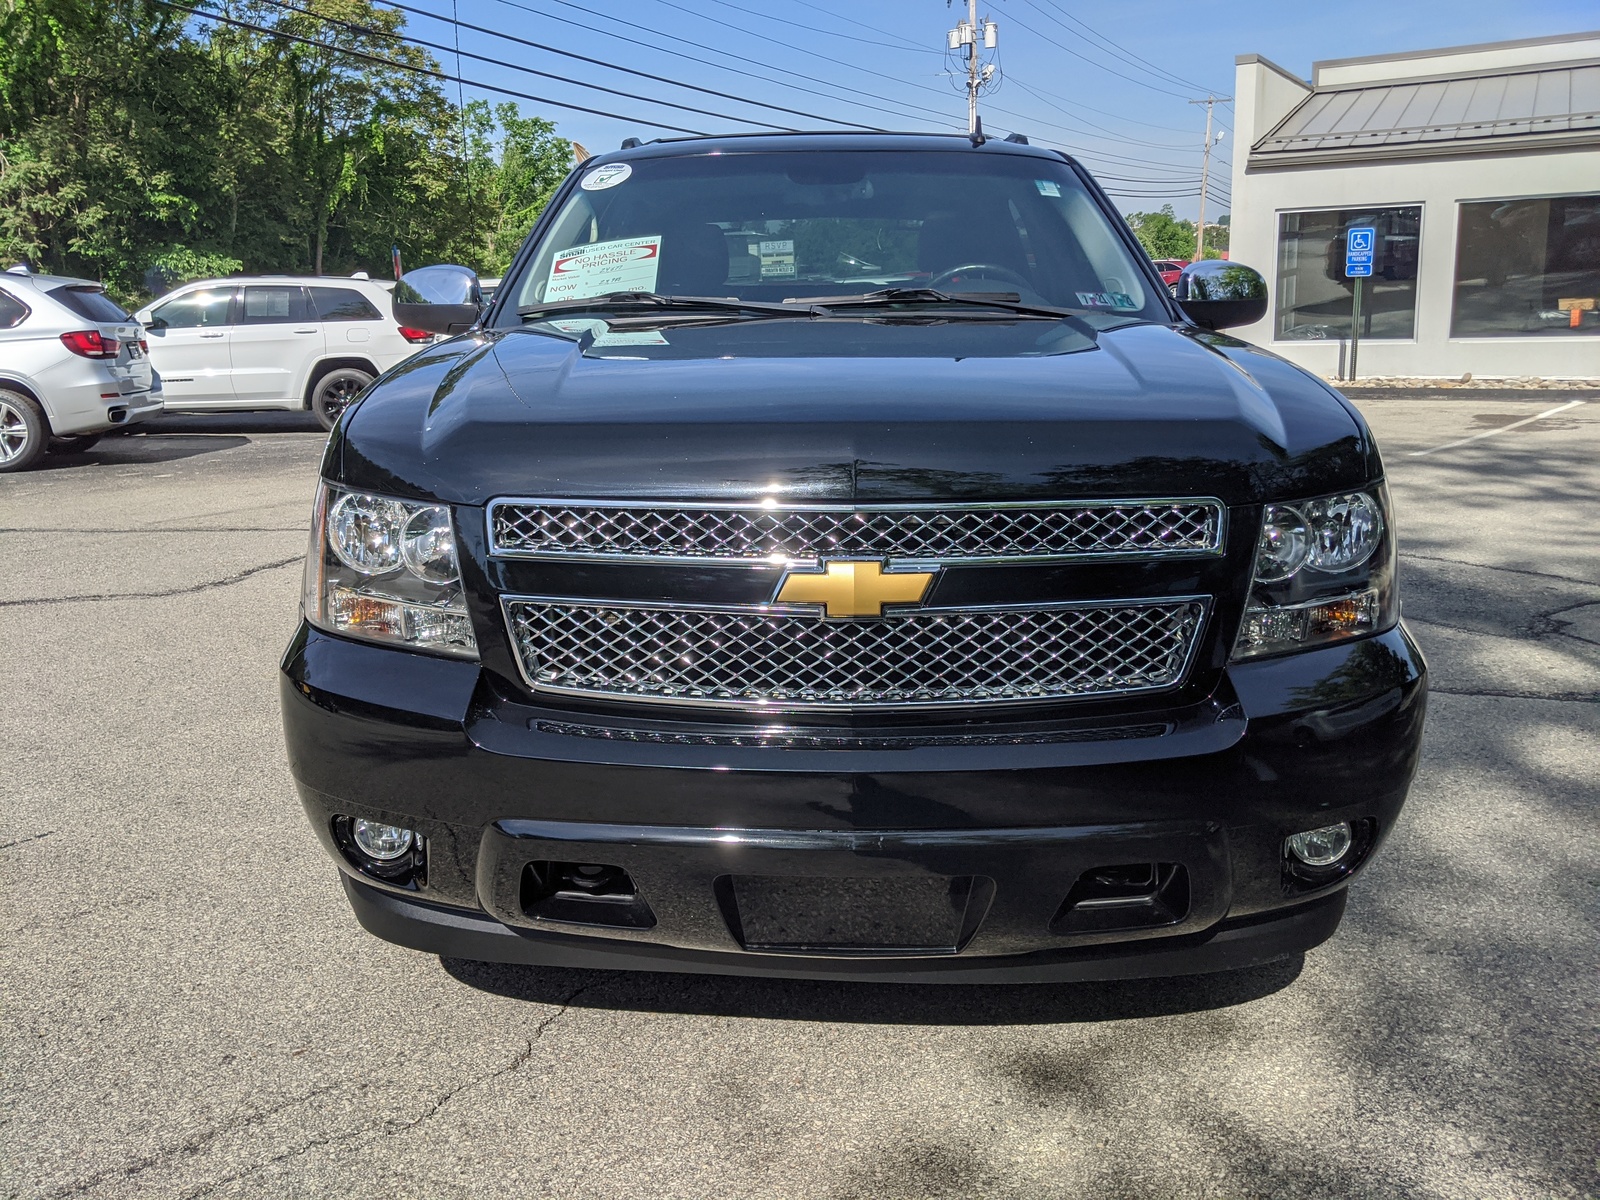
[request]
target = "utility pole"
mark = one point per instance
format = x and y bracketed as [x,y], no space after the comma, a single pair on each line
[967,35]
[1205,175]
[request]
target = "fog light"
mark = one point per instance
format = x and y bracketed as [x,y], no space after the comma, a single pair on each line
[1322,847]
[382,842]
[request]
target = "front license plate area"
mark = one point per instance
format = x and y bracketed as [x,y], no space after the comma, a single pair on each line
[787,914]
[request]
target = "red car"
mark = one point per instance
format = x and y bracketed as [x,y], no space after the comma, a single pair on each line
[1170,269]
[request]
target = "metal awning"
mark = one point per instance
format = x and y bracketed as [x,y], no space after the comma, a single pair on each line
[1492,111]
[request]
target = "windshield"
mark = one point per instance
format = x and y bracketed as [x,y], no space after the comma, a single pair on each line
[771,227]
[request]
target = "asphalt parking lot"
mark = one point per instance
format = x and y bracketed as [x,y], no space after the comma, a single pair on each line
[190,1009]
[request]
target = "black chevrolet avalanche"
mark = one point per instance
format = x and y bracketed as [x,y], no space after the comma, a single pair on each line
[840,556]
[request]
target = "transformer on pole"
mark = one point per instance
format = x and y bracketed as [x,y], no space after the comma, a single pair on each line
[973,37]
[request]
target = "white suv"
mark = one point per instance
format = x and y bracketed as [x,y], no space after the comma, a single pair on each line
[274,341]
[72,366]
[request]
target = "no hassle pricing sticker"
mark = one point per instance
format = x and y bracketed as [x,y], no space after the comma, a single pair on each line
[624,265]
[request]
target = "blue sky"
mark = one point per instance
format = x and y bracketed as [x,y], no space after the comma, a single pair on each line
[881,63]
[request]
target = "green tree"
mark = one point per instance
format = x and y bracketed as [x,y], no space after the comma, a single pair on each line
[1163,234]
[136,148]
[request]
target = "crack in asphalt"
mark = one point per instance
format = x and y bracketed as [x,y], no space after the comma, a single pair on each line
[518,1061]
[191,1146]
[369,1132]
[1462,562]
[1546,624]
[56,918]
[1508,694]
[160,529]
[207,586]
[32,837]
[322,1139]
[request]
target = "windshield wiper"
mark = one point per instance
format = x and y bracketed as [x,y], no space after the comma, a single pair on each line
[1004,301]
[1007,301]
[654,301]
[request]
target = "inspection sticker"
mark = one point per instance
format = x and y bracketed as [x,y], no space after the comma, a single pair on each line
[624,265]
[777,259]
[604,177]
[1047,187]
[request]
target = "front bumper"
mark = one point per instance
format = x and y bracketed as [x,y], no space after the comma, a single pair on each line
[791,854]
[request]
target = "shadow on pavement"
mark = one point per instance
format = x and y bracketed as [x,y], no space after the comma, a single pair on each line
[877,1003]
[125,451]
[227,422]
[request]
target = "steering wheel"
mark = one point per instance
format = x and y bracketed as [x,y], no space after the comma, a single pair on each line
[986,270]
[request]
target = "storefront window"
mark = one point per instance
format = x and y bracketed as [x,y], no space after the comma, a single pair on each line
[1314,299]
[1528,268]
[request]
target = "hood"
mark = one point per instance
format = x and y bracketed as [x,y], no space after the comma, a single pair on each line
[853,410]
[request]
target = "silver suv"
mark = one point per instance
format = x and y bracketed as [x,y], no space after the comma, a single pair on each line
[73,364]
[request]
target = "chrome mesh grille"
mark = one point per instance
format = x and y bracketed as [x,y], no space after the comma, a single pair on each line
[1137,528]
[753,658]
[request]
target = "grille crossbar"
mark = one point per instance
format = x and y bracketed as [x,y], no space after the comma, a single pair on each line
[755,658]
[905,533]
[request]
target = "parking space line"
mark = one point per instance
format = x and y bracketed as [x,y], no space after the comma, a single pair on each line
[1478,437]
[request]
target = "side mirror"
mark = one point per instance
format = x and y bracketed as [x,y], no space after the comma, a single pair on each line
[1215,294]
[440,299]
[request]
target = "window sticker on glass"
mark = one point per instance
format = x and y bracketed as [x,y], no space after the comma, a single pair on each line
[1106,300]
[602,335]
[777,259]
[640,337]
[1047,187]
[624,265]
[607,176]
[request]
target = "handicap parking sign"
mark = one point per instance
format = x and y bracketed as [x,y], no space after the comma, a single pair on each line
[1358,247]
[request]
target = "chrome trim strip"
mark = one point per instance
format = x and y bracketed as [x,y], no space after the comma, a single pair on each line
[800,737]
[498,551]
[824,706]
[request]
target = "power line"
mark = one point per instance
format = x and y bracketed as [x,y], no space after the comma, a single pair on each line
[432,74]
[813,29]
[811,53]
[594,87]
[1107,113]
[909,44]
[1121,51]
[765,75]
[1121,138]
[422,12]
[1101,66]
[1192,183]
[916,112]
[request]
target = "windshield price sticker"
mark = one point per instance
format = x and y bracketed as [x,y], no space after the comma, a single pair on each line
[1047,187]
[777,259]
[1106,300]
[604,177]
[624,265]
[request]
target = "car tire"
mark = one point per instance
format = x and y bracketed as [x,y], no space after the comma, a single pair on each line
[333,391]
[73,444]
[24,431]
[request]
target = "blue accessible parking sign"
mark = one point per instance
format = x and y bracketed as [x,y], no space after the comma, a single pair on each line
[1358,247]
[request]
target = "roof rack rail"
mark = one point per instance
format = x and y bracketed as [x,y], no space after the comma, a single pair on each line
[631,143]
[1020,139]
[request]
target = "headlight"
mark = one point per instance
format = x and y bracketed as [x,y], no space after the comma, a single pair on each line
[1324,572]
[385,570]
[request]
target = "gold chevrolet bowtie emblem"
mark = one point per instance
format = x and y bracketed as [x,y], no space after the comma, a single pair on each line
[854,589]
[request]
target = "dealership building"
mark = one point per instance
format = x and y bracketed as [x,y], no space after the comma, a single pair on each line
[1479,169]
